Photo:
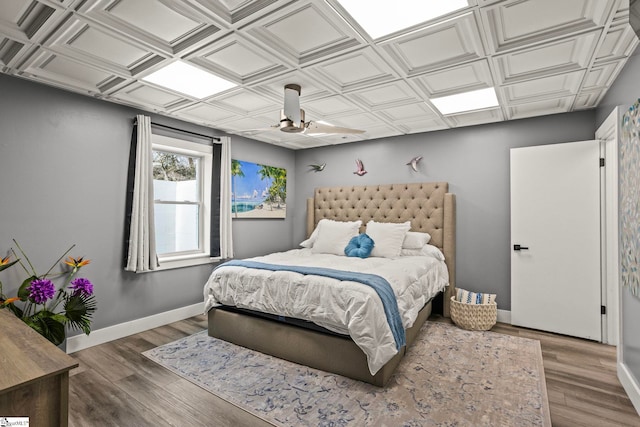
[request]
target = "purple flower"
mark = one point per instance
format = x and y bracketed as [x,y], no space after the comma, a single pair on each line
[41,290]
[82,286]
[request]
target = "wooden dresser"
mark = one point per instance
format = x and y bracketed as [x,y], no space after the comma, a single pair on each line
[34,375]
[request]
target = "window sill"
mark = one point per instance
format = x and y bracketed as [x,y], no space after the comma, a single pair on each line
[188,262]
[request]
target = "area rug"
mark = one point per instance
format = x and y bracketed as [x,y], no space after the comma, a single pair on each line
[449,377]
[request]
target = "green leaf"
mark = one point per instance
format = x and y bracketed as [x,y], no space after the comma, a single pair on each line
[15,310]
[5,266]
[23,293]
[47,326]
[58,317]
[79,309]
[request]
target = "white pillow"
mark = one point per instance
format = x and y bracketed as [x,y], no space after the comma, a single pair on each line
[334,236]
[311,240]
[415,240]
[387,237]
[426,250]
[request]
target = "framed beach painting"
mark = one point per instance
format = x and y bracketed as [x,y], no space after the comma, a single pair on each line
[258,191]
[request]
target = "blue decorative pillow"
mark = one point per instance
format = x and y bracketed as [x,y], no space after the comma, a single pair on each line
[360,246]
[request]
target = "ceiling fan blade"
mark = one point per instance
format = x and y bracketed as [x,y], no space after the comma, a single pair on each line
[292,103]
[259,130]
[315,127]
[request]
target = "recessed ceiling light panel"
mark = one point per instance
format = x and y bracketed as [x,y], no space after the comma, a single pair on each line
[385,17]
[185,78]
[467,101]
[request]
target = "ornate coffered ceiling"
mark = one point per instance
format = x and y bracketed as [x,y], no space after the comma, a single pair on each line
[542,56]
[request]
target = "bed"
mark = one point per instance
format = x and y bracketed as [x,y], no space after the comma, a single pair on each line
[428,207]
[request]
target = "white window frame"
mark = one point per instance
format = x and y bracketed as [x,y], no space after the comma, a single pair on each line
[205,154]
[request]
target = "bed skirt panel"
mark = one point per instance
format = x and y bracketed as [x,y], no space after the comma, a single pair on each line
[327,352]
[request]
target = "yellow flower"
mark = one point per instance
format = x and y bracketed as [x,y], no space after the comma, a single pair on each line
[4,261]
[11,300]
[77,262]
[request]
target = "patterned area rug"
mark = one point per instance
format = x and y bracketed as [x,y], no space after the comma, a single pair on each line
[449,377]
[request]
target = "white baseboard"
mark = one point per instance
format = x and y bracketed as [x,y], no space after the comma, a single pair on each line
[504,316]
[101,336]
[630,385]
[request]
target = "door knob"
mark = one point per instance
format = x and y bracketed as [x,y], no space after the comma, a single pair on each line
[519,248]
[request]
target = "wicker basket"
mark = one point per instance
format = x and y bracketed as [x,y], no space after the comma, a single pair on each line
[474,317]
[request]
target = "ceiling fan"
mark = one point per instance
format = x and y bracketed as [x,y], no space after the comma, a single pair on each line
[292,118]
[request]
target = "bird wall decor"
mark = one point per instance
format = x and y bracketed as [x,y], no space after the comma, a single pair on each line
[318,168]
[359,168]
[414,163]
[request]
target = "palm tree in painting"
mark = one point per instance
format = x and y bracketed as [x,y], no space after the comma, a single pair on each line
[236,170]
[277,192]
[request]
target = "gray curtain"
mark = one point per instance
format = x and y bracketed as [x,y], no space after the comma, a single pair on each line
[142,241]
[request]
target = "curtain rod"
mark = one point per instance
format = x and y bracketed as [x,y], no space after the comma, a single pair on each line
[135,121]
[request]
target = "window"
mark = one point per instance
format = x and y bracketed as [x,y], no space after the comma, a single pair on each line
[182,172]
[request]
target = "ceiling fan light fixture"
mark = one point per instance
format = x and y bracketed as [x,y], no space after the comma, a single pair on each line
[182,77]
[467,101]
[382,18]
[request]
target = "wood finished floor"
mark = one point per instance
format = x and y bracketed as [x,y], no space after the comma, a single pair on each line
[116,386]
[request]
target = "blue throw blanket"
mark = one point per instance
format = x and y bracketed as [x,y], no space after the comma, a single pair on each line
[379,284]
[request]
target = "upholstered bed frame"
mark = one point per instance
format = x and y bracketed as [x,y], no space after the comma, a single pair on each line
[428,206]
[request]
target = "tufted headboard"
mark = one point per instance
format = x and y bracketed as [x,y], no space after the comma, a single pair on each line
[429,207]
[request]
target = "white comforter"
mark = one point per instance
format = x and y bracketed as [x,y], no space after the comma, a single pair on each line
[341,306]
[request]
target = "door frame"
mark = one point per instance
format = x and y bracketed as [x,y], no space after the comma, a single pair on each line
[608,134]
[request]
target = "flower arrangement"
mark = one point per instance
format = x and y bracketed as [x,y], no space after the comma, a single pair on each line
[39,305]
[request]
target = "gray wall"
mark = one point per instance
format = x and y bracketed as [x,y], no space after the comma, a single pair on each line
[475,162]
[63,166]
[624,92]
[63,175]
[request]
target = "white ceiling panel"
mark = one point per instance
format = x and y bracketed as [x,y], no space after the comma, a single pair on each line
[423,125]
[201,112]
[539,108]
[541,56]
[237,60]
[558,86]
[244,102]
[602,76]
[357,121]
[331,106]
[66,72]
[151,16]
[561,56]
[619,42]
[12,51]
[381,131]
[463,78]
[337,139]
[305,32]
[141,93]
[517,23]
[244,124]
[355,70]
[476,117]
[78,39]
[29,20]
[588,99]
[440,45]
[386,95]
[236,12]
[168,27]
[407,113]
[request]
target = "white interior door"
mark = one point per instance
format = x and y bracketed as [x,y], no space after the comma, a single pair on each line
[555,220]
